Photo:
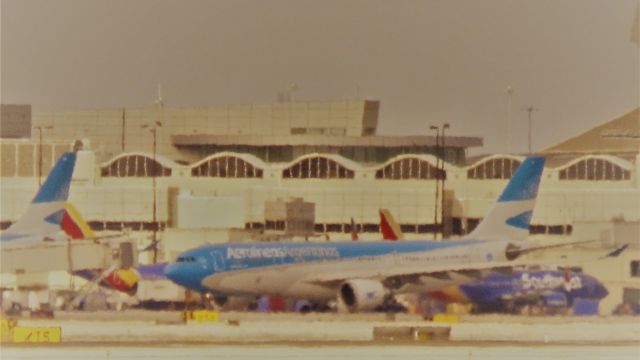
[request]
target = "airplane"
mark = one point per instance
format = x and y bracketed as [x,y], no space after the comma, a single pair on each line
[124,280]
[364,276]
[500,292]
[41,221]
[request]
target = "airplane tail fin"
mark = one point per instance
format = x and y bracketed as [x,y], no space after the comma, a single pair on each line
[511,215]
[74,225]
[47,208]
[389,227]
[354,230]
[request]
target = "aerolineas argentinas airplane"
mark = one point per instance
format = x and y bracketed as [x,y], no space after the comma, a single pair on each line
[366,275]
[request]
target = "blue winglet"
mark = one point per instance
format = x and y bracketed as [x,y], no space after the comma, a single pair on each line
[56,187]
[524,182]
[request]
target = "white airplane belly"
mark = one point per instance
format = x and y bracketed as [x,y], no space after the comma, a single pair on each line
[286,280]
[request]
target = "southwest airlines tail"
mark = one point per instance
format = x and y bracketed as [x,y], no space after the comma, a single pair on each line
[124,280]
[389,227]
[74,225]
[511,214]
[45,212]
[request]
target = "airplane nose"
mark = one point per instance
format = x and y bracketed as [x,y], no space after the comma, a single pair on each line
[172,271]
[601,291]
[184,274]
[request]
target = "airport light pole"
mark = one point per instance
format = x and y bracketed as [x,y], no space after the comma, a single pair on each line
[154,131]
[435,210]
[153,128]
[442,177]
[509,91]
[530,110]
[40,128]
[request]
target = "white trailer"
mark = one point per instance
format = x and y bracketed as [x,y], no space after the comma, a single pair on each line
[164,294]
[70,255]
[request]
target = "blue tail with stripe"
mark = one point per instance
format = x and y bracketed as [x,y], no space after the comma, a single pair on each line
[45,212]
[56,187]
[510,216]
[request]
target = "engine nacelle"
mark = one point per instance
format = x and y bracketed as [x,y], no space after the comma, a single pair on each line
[231,303]
[362,294]
[513,251]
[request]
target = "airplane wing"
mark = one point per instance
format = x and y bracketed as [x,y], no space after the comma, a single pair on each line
[514,251]
[396,277]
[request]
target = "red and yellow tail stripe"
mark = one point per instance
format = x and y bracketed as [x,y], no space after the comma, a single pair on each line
[124,280]
[389,227]
[74,225]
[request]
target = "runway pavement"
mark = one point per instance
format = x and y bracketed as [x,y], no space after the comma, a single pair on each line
[255,328]
[370,352]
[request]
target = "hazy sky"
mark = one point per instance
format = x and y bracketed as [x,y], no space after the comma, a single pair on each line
[428,61]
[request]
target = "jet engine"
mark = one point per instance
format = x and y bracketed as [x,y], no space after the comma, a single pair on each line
[231,303]
[513,251]
[362,294]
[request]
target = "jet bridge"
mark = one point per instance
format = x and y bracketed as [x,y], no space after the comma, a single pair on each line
[69,255]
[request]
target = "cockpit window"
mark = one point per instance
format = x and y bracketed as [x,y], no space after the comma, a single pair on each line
[182,259]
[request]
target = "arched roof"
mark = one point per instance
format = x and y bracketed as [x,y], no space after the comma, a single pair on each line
[610,158]
[251,159]
[162,160]
[424,157]
[484,159]
[347,163]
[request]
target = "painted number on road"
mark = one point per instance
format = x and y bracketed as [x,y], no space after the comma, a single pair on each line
[37,335]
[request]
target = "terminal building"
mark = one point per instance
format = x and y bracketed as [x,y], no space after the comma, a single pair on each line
[306,170]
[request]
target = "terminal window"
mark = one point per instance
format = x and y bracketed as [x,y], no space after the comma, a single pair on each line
[410,169]
[227,167]
[501,168]
[135,166]
[635,268]
[631,296]
[317,167]
[594,170]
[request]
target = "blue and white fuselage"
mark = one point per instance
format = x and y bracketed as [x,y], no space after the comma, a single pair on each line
[313,270]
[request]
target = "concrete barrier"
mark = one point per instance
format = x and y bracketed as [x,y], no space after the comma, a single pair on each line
[411,333]
[252,328]
[392,333]
[438,333]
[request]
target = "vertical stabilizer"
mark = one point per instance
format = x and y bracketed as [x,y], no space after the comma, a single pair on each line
[389,227]
[45,212]
[354,230]
[510,216]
